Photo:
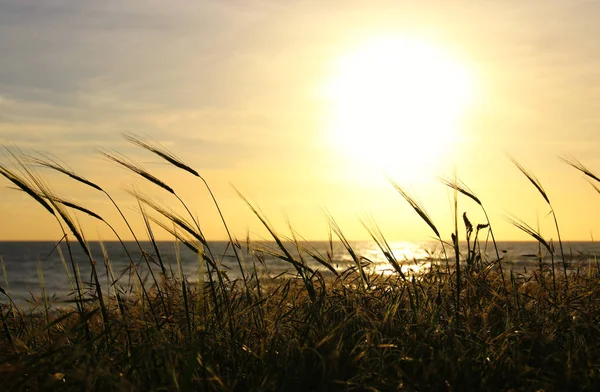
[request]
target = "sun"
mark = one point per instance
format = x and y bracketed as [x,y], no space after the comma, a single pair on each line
[396,104]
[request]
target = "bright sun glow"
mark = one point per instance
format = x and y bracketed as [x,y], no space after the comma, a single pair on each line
[397,104]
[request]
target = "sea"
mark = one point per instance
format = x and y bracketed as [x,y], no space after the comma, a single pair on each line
[34,270]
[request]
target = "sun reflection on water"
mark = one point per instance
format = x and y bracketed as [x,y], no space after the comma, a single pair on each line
[413,258]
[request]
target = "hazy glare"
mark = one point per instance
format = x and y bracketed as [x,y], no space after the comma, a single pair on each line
[235,89]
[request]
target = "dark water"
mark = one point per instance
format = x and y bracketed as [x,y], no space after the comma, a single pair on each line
[28,264]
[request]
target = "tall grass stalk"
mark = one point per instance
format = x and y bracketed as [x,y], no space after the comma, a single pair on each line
[10,310]
[524,227]
[463,189]
[123,161]
[44,193]
[355,257]
[44,296]
[184,291]
[456,253]
[286,255]
[424,216]
[538,185]
[28,182]
[53,164]
[379,239]
[576,164]
[5,276]
[172,159]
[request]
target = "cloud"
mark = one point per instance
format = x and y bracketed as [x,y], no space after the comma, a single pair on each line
[230,81]
[174,55]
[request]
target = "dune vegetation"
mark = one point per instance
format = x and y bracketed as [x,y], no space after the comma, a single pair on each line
[466,323]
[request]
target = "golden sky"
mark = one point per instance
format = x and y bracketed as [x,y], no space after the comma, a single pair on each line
[242,92]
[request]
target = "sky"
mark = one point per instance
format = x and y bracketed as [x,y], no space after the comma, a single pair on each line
[238,91]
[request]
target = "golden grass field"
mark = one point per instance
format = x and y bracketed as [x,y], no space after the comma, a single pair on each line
[466,323]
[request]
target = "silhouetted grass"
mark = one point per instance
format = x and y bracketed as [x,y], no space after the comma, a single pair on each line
[468,326]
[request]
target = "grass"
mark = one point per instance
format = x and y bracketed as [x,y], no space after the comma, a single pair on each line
[470,325]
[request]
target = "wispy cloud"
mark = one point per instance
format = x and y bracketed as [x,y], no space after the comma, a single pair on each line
[232,85]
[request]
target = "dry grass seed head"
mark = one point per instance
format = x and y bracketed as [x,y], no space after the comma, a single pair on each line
[123,161]
[533,179]
[161,152]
